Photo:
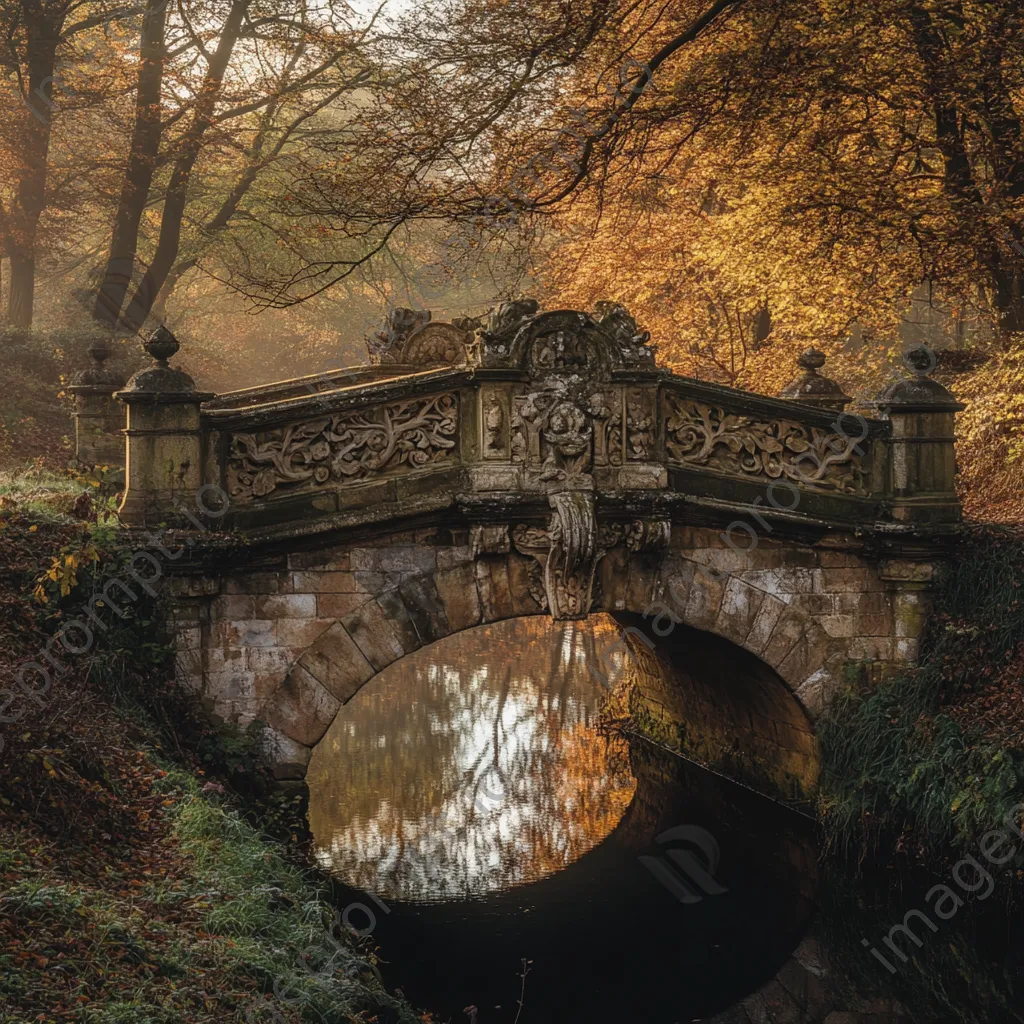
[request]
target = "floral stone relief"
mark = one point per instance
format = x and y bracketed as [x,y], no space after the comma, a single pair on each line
[707,436]
[398,437]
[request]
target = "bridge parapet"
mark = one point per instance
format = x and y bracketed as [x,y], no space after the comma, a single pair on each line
[555,433]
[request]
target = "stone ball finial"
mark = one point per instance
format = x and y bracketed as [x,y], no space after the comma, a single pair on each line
[97,376]
[812,388]
[162,345]
[921,360]
[811,359]
[918,393]
[162,379]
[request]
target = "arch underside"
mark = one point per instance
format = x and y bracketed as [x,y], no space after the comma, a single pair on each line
[408,598]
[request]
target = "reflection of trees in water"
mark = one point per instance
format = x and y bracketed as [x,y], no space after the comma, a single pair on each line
[471,765]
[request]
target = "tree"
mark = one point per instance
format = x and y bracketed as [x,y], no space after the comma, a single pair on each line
[819,159]
[261,74]
[35,31]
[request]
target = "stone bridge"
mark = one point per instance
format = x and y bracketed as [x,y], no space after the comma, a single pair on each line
[535,463]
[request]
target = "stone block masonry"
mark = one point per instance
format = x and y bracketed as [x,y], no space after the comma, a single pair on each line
[290,646]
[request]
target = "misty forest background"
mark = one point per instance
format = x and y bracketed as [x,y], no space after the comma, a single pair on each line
[269,177]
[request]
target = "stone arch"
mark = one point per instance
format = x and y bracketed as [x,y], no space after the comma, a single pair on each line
[424,606]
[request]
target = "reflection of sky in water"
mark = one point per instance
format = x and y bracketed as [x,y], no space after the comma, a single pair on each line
[472,765]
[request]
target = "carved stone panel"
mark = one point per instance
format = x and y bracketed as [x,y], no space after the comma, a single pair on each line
[410,337]
[392,439]
[556,433]
[520,433]
[706,436]
[605,407]
[495,424]
[640,419]
[559,350]
[437,343]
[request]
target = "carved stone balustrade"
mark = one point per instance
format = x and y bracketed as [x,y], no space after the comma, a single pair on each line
[553,434]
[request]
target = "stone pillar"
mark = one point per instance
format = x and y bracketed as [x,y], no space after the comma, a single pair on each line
[812,388]
[922,455]
[99,418]
[165,443]
[911,583]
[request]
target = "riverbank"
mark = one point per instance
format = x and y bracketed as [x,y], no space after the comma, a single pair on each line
[136,886]
[923,765]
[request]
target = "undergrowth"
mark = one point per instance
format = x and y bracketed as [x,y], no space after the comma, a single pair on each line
[928,762]
[134,886]
[966,972]
[205,923]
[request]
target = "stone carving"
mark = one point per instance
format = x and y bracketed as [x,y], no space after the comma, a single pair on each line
[633,345]
[409,337]
[606,408]
[400,323]
[435,343]
[518,335]
[560,350]
[639,427]
[569,551]
[494,427]
[502,324]
[400,436]
[648,535]
[518,442]
[535,586]
[469,324]
[573,555]
[571,546]
[507,318]
[704,435]
[563,426]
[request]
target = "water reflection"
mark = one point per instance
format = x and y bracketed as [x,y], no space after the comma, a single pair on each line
[472,766]
[470,788]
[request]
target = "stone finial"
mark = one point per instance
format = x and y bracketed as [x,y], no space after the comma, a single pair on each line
[162,379]
[97,375]
[918,393]
[813,388]
[99,419]
[162,345]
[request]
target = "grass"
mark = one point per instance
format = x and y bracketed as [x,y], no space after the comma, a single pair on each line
[42,495]
[277,926]
[130,890]
[214,923]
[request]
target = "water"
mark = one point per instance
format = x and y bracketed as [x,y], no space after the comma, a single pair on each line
[472,792]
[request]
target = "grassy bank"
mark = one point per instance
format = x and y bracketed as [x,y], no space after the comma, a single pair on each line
[926,764]
[136,884]
[204,921]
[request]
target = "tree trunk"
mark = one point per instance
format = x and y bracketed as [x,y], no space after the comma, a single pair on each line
[20,299]
[138,175]
[1007,284]
[177,190]
[43,36]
